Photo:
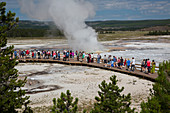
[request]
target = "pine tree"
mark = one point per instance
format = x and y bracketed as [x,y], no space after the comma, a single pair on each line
[110,99]
[11,95]
[159,102]
[65,104]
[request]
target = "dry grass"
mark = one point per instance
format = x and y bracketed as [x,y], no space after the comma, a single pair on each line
[43,109]
[121,35]
[47,109]
[26,38]
[118,35]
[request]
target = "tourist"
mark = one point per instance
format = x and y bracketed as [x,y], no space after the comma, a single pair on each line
[88,58]
[92,58]
[125,62]
[143,65]
[133,64]
[115,60]
[78,55]
[153,66]
[76,52]
[109,59]
[72,54]
[118,61]
[58,55]
[32,54]
[54,55]
[45,54]
[86,55]
[19,53]
[83,56]
[24,53]
[15,53]
[49,54]
[27,53]
[67,55]
[64,56]
[105,59]
[39,55]
[35,54]
[42,53]
[128,64]
[121,62]
[112,63]
[146,69]
[98,58]
[149,66]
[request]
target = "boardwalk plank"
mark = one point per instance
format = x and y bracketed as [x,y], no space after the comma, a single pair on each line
[137,73]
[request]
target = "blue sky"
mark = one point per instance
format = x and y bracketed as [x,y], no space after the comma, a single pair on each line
[116,9]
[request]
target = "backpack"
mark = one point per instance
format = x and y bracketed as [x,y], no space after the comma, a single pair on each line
[143,63]
[67,54]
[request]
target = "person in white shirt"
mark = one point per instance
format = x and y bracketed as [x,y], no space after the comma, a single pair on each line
[92,57]
[133,64]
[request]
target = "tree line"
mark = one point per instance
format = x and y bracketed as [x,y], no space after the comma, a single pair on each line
[29,32]
[158,33]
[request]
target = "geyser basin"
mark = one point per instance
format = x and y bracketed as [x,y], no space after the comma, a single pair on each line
[81,81]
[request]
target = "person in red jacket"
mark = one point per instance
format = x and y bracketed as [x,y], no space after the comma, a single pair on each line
[125,62]
[54,55]
[149,65]
[32,54]
[27,53]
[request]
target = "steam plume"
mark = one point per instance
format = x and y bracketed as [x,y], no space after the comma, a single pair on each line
[69,16]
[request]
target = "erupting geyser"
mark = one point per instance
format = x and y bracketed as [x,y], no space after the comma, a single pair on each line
[69,16]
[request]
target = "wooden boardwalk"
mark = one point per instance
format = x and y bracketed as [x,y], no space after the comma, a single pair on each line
[137,73]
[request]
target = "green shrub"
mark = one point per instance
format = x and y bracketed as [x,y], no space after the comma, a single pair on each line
[159,102]
[65,104]
[111,100]
[12,97]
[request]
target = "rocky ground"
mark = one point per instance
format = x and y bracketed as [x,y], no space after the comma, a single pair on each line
[81,81]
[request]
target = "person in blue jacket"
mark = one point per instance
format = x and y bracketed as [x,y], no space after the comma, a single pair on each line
[128,64]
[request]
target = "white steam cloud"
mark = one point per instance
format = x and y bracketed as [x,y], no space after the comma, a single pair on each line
[69,16]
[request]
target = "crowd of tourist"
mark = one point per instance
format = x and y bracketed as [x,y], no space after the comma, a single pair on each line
[109,61]
[146,65]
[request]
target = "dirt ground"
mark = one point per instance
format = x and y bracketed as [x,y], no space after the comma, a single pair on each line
[81,81]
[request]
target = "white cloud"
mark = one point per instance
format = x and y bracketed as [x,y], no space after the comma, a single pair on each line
[149,7]
[140,7]
[158,6]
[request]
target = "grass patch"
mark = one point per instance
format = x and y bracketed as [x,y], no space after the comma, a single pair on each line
[86,105]
[47,109]
[26,38]
[118,35]
[43,109]
[121,35]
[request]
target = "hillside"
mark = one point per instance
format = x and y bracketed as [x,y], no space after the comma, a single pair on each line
[28,24]
[130,23]
[111,24]
[27,28]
